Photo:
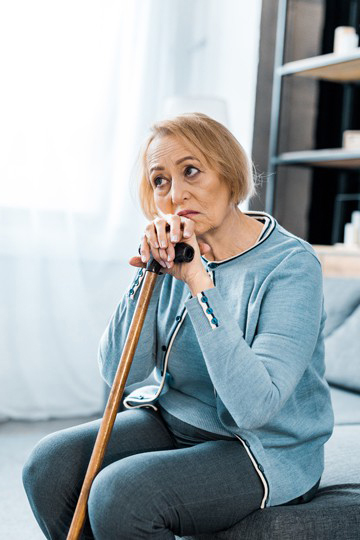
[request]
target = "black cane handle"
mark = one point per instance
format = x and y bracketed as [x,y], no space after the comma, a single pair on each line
[183,253]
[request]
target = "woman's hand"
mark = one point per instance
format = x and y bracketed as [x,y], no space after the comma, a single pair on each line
[160,242]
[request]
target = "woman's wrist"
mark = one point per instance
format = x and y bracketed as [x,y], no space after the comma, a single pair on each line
[200,282]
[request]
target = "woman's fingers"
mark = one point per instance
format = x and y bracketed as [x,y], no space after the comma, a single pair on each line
[168,255]
[160,238]
[144,250]
[136,261]
[173,227]
[179,227]
[160,226]
[156,253]
[166,249]
[150,244]
[151,236]
[188,227]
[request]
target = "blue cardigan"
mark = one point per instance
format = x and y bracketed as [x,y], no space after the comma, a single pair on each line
[244,358]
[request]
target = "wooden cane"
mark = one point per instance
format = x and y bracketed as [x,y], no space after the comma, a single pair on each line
[183,253]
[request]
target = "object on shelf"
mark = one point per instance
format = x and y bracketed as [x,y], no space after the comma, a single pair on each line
[351,139]
[355,218]
[345,39]
[351,236]
[355,222]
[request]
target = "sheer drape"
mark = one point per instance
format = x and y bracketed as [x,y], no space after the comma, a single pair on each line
[81,83]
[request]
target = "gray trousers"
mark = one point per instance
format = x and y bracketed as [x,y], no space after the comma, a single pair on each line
[160,477]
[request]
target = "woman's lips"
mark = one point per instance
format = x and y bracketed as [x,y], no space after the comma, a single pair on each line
[186,214]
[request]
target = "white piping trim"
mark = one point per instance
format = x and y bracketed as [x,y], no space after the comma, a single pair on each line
[267,221]
[142,403]
[172,340]
[204,307]
[139,406]
[253,213]
[262,477]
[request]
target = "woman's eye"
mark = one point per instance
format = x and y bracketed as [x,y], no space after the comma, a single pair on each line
[157,181]
[191,171]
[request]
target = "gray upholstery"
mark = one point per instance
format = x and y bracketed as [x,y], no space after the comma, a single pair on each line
[342,462]
[346,406]
[335,510]
[342,349]
[333,513]
[342,296]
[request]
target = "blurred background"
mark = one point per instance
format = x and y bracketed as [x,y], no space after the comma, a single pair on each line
[81,83]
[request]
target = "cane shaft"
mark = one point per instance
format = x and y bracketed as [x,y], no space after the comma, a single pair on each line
[112,405]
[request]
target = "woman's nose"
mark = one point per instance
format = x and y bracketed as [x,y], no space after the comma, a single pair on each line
[178,191]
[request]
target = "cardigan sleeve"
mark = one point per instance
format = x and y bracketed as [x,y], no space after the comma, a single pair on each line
[114,337]
[255,381]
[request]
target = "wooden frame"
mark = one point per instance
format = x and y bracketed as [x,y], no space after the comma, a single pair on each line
[331,67]
[339,261]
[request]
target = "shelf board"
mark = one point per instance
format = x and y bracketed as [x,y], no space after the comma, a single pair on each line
[339,260]
[332,67]
[332,157]
[338,249]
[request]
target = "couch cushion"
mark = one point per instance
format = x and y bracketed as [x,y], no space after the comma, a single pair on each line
[342,353]
[346,406]
[342,457]
[333,513]
[341,297]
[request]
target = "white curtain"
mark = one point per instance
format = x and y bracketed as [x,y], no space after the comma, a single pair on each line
[81,81]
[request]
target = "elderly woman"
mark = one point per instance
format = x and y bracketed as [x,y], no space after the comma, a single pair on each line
[234,340]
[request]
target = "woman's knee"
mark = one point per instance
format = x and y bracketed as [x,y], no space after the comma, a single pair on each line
[51,466]
[107,505]
[125,500]
[40,470]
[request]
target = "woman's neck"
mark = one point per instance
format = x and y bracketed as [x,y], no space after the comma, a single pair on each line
[237,234]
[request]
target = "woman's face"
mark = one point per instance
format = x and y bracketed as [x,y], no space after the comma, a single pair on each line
[182,180]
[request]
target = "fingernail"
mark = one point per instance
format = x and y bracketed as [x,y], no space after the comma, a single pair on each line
[187,234]
[174,238]
[143,258]
[163,264]
[168,265]
[156,244]
[163,244]
[169,257]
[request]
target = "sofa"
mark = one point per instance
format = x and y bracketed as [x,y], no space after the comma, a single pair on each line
[334,513]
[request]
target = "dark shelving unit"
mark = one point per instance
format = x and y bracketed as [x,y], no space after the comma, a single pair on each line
[343,69]
[331,157]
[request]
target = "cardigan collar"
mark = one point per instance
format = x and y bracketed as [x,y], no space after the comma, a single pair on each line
[269,226]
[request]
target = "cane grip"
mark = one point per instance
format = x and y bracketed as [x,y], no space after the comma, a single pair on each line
[183,253]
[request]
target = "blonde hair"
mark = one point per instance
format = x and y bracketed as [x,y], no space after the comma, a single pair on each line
[218,146]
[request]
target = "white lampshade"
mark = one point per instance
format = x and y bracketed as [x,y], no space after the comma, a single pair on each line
[214,107]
